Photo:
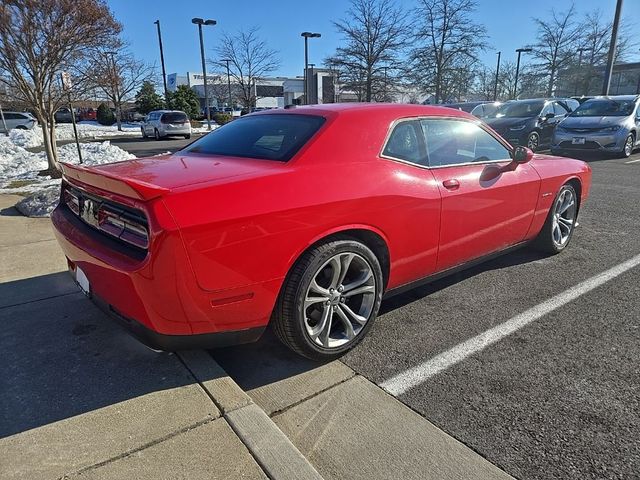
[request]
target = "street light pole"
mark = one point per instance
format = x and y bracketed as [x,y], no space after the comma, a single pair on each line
[226,60]
[495,88]
[520,51]
[164,73]
[612,49]
[307,36]
[310,82]
[200,22]
[580,50]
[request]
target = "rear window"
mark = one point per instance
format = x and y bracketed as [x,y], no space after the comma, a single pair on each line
[270,137]
[174,117]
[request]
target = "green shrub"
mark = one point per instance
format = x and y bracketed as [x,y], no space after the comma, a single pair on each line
[196,124]
[104,115]
[222,118]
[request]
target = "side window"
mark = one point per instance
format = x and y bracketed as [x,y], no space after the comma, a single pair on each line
[559,110]
[548,108]
[478,111]
[404,143]
[11,116]
[452,142]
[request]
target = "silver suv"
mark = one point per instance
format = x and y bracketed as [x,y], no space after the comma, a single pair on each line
[19,120]
[163,123]
[605,124]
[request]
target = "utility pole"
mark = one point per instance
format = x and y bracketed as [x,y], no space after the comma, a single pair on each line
[495,88]
[612,49]
[200,22]
[311,83]
[164,73]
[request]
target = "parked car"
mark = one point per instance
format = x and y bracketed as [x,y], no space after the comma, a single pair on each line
[305,218]
[605,124]
[88,114]
[63,115]
[477,109]
[163,123]
[19,120]
[530,122]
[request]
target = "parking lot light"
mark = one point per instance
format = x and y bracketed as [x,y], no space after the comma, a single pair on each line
[520,51]
[200,22]
[307,36]
[495,87]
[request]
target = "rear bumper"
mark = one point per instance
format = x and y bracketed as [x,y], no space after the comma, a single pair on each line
[155,296]
[171,343]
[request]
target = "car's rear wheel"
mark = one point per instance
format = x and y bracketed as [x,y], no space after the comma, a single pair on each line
[533,141]
[144,134]
[187,137]
[629,144]
[561,222]
[329,300]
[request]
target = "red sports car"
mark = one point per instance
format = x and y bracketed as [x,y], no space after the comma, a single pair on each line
[305,218]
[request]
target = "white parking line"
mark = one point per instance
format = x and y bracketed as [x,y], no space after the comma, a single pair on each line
[633,161]
[408,379]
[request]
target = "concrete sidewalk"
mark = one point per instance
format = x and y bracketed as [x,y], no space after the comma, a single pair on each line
[81,398]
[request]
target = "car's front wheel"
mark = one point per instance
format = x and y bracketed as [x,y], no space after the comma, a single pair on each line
[561,222]
[533,141]
[329,300]
[156,134]
[629,144]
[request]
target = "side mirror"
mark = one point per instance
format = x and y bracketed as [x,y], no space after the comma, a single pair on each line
[522,155]
[549,115]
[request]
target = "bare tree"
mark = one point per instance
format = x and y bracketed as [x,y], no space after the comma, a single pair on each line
[119,75]
[374,33]
[593,41]
[250,59]
[447,44]
[555,44]
[39,39]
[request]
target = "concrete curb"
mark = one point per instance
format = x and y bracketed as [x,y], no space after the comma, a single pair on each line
[270,447]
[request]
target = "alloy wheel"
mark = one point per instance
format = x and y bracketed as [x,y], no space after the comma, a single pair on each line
[533,141]
[564,216]
[628,146]
[339,300]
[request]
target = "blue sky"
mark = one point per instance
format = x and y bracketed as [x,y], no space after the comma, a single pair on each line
[508,23]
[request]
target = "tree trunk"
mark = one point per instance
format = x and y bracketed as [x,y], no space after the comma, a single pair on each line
[119,117]
[551,81]
[48,138]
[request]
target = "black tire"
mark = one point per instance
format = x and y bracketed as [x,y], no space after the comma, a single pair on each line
[629,145]
[21,127]
[156,134]
[533,141]
[187,137]
[144,134]
[289,318]
[545,240]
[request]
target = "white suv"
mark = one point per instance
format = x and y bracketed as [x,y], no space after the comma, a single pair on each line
[163,123]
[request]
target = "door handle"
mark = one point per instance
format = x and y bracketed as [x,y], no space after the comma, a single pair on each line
[451,184]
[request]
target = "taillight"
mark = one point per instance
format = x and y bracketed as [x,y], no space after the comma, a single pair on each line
[71,200]
[123,226]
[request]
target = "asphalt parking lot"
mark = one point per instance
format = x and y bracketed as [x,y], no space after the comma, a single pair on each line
[558,398]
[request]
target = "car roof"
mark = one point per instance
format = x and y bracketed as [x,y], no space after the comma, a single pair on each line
[396,110]
[167,111]
[616,97]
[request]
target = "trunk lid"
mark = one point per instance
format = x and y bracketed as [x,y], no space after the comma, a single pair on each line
[147,178]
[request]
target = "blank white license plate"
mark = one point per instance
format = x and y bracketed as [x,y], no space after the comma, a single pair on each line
[82,281]
[578,141]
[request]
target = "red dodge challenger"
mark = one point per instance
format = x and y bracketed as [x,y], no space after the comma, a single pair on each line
[305,218]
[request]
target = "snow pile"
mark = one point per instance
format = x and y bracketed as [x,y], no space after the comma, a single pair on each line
[204,128]
[19,171]
[89,129]
[41,203]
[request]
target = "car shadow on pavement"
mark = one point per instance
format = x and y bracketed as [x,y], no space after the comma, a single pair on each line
[517,257]
[10,212]
[62,357]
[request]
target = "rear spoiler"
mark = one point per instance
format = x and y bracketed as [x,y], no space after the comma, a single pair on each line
[127,187]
